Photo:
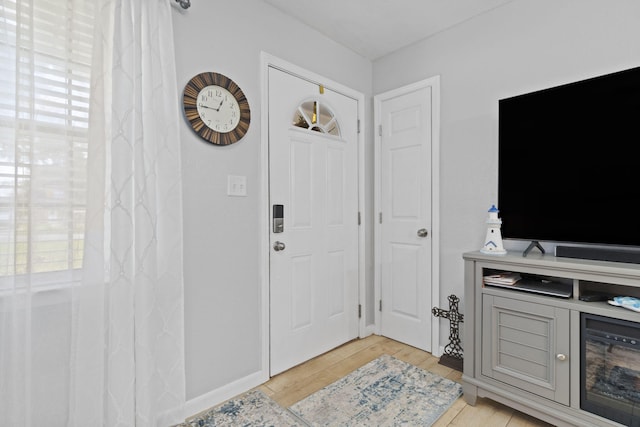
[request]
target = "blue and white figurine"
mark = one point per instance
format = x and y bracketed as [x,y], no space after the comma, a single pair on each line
[493,241]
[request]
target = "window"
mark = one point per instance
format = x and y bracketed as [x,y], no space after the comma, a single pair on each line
[317,117]
[45,64]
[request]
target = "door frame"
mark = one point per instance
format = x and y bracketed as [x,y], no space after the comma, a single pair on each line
[269,61]
[434,83]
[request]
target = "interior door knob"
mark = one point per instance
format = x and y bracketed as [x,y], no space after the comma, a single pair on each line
[423,232]
[278,246]
[561,357]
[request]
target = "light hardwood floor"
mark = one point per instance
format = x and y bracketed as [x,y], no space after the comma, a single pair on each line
[301,381]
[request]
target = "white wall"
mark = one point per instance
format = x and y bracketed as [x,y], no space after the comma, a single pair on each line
[222,234]
[523,46]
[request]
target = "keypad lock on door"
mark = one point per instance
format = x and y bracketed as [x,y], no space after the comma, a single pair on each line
[278,218]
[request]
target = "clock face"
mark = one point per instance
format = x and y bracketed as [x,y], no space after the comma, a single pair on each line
[218,109]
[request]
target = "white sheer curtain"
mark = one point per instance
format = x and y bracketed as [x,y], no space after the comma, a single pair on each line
[91,291]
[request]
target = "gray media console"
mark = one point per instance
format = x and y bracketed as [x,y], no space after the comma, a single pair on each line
[522,342]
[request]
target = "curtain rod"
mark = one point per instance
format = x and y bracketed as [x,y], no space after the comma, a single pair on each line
[185,4]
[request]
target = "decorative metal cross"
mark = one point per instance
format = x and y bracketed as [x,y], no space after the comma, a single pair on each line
[453,350]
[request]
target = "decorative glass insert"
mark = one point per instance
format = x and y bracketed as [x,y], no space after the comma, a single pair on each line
[315,116]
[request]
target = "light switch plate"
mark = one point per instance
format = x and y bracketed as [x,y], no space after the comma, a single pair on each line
[236,185]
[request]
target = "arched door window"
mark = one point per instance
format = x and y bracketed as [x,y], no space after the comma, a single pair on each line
[315,116]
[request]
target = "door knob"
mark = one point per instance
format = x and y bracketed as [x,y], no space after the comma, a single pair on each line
[278,246]
[423,232]
[561,357]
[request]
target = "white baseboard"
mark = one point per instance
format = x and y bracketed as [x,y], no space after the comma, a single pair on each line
[368,330]
[226,392]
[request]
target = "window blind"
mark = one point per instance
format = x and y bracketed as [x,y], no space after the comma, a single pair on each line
[45,64]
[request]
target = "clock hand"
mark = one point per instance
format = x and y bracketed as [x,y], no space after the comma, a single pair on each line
[206,106]
[221,101]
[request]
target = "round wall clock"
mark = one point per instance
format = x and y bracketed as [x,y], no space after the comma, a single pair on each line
[216,108]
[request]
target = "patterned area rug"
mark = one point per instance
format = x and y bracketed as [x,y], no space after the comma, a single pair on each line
[250,409]
[384,392]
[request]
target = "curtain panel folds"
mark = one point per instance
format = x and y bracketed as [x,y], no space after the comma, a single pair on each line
[104,346]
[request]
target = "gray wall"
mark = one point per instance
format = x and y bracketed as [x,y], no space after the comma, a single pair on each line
[222,235]
[523,46]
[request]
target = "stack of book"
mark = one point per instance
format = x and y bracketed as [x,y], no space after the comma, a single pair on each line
[501,279]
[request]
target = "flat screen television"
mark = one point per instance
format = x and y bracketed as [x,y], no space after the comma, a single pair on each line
[569,162]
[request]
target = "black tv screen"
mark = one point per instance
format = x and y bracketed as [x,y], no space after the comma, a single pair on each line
[569,162]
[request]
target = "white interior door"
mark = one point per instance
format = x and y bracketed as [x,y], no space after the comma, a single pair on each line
[405,224]
[313,172]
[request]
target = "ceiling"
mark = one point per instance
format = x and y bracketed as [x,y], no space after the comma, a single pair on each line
[374,28]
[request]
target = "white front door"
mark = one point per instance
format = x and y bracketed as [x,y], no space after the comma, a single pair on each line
[405,223]
[313,188]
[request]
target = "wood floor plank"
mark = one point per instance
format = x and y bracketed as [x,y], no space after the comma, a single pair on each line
[451,413]
[315,382]
[357,360]
[484,413]
[523,420]
[298,373]
[412,355]
[455,376]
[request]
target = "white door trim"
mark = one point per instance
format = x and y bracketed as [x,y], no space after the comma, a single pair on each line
[266,61]
[434,83]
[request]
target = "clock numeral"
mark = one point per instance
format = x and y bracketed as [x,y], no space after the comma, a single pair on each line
[218,93]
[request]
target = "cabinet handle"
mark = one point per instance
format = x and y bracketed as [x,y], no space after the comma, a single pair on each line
[561,357]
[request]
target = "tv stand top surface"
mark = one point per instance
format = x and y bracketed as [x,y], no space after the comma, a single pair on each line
[583,277]
[620,272]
